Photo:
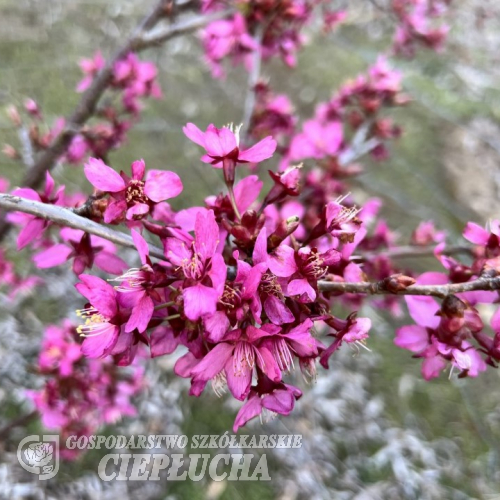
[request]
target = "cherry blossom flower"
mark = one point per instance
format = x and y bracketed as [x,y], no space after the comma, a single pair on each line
[133,197]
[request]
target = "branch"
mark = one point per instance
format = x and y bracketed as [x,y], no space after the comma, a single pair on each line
[253,78]
[382,288]
[86,108]
[162,35]
[67,217]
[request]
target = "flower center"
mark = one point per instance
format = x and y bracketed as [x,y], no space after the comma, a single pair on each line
[193,267]
[131,281]
[94,324]
[270,286]
[135,192]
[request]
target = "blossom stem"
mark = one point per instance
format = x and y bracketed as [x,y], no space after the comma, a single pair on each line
[233,201]
[162,306]
[173,316]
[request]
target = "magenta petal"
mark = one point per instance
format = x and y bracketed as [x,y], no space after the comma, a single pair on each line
[101,345]
[279,401]
[495,321]
[268,365]
[432,367]
[277,311]
[206,233]
[162,341]
[103,177]
[162,185]
[476,234]
[219,142]
[185,365]
[218,273]
[28,193]
[100,294]
[213,363]
[137,210]
[114,210]
[412,337]
[141,315]
[195,134]
[216,325]
[110,263]
[263,150]
[249,410]
[138,168]
[247,191]
[30,232]
[282,261]
[239,382]
[260,249]
[302,289]
[199,300]
[53,256]
[141,245]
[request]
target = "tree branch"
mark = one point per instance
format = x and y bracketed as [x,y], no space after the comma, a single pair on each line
[67,217]
[70,217]
[381,288]
[253,78]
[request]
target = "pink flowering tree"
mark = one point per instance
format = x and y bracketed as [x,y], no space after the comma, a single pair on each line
[246,286]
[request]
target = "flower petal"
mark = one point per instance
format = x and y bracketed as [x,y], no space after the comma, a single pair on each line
[162,185]
[103,177]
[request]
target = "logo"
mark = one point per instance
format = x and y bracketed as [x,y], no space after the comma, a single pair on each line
[39,455]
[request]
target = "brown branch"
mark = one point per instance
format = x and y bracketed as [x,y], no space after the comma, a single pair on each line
[139,40]
[381,288]
[396,284]
[67,217]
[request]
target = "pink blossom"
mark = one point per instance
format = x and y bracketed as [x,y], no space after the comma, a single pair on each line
[133,197]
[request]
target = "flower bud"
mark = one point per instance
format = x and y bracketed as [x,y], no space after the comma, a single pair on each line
[10,152]
[13,115]
[397,283]
[284,229]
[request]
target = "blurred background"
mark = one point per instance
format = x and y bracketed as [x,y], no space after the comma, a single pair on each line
[372,428]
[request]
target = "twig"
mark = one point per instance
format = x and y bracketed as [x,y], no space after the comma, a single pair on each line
[27,153]
[162,35]
[380,287]
[359,146]
[86,108]
[253,78]
[67,217]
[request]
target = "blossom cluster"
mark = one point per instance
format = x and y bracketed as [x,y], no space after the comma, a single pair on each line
[238,284]
[81,395]
[417,25]
[452,333]
[131,78]
[256,281]
[271,28]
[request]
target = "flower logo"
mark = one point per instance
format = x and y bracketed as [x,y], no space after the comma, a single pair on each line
[39,455]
